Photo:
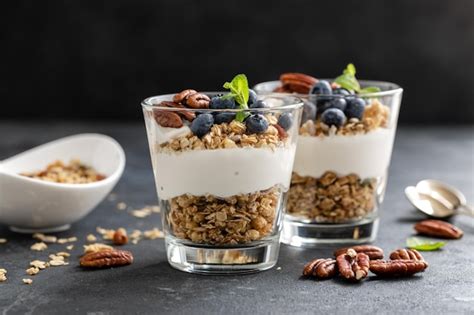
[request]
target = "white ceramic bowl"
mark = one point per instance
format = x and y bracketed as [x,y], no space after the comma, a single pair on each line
[31,205]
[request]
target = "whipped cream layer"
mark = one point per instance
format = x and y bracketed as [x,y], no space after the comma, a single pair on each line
[367,155]
[222,172]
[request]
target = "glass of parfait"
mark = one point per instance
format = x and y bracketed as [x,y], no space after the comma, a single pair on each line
[342,159]
[222,173]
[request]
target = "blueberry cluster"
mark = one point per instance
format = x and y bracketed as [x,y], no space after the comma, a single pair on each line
[334,105]
[255,122]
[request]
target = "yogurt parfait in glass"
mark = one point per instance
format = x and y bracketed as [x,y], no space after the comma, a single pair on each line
[222,163]
[342,159]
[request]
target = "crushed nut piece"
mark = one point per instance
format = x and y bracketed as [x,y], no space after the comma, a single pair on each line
[32,271]
[39,246]
[27,281]
[120,237]
[96,247]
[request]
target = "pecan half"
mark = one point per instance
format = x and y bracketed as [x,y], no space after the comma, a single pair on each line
[438,228]
[392,268]
[167,119]
[182,96]
[373,252]
[297,82]
[321,268]
[281,132]
[198,100]
[353,266]
[406,254]
[106,258]
[120,237]
[186,114]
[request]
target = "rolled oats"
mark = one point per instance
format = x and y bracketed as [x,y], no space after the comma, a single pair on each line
[45,238]
[3,275]
[27,281]
[91,238]
[3,240]
[39,246]
[153,234]
[330,198]
[96,247]
[233,220]
[32,271]
[39,264]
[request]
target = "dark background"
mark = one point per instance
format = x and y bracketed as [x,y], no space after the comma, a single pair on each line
[98,59]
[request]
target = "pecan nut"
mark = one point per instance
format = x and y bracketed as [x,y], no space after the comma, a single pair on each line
[321,268]
[167,118]
[186,114]
[120,237]
[353,266]
[393,268]
[297,82]
[438,228]
[198,100]
[406,254]
[106,258]
[373,252]
[181,97]
[281,132]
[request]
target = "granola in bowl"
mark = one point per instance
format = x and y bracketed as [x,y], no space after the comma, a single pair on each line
[222,163]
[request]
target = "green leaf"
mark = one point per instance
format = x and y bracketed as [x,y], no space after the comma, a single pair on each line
[240,116]
[239,86]
[424,244]
[369,89]
[350,69]
[348,82]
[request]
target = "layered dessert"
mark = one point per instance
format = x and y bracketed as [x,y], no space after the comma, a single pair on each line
[344,148]
[222,163]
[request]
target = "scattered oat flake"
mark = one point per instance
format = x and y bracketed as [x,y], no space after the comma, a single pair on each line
[27,281]
[3,276]
[39,246]
[121,206]
[69,247]
[45,238]
[39,264]
[3,240]
[91,238]
[278,268]
[141,213]
[67,240]
[96,247]
[32,271]
[107,234]
[56,263]
[135,236]
[153,234]
[155,209]
[63,254]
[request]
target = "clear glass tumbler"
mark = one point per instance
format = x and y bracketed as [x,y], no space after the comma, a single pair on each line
[222,194]
[340,173]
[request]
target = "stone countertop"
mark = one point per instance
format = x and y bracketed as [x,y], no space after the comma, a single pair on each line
[150,285]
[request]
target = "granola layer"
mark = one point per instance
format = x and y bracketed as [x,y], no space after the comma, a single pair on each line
[219,221]
[228,136]
[330,198]
[375,116]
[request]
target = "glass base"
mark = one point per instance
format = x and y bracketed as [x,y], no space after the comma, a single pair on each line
[205,259]
[296,233]
[53,229]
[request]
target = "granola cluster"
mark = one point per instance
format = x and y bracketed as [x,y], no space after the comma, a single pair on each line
[235,220]
[73,173]
[375,116]
[228,136]
[330,198]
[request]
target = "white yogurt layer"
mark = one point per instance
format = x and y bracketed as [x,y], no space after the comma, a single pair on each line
[222,172]
[367,155]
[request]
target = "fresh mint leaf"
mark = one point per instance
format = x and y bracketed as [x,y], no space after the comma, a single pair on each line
[424,244]
[350,69]
[348,82]
[239,89]
[369,89]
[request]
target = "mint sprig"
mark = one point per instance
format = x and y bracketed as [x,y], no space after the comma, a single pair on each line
[424,244]
[348,81]
[239,90]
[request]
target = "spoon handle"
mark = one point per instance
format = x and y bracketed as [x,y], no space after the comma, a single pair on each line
[466,209]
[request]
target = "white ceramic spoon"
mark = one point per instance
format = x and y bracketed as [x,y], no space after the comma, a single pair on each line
[31,205]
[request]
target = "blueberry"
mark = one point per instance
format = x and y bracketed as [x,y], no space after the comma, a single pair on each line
[202,124]
[355,108]
[338,102]
[258,104]
[224,117]
[341,91]
[322,87]
[252,97]
[309,111]
[256,124]
[285,120]
[222,103]
[333,116]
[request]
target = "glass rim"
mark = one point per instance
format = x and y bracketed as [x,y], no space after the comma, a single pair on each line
[393,91]
[296,102]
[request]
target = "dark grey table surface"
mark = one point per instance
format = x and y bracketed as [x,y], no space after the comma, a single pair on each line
[150,285]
